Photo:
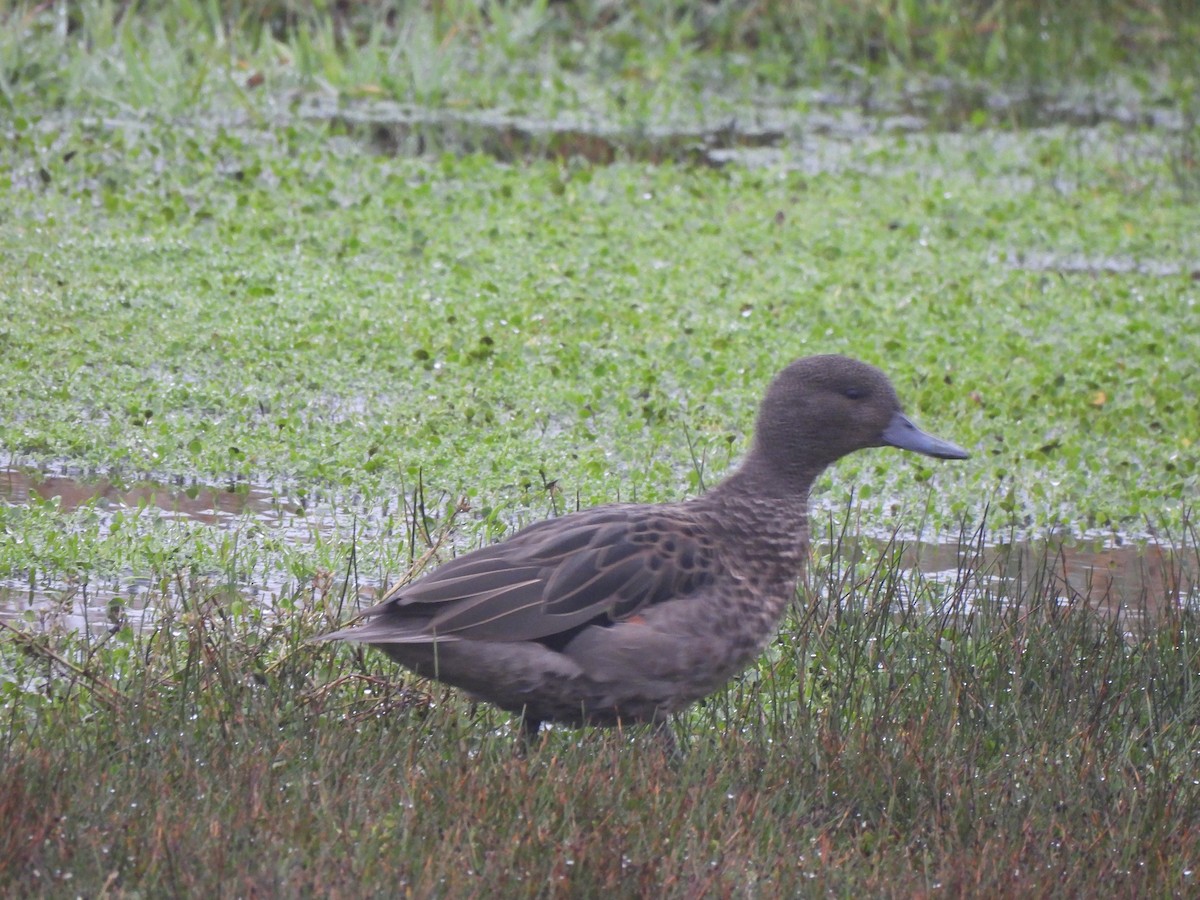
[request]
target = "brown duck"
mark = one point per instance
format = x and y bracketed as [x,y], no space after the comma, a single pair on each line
[628,613]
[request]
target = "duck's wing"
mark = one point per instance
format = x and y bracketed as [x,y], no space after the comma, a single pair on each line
[602,565]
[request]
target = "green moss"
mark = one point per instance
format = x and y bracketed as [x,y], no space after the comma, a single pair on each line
[299,309]
[206,289]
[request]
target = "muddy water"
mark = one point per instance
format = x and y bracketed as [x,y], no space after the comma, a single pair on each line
[208,505]
[1138,581]
[205,504]
[731,133]
[56,599]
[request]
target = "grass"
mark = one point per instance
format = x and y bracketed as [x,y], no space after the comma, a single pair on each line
[414,354]
[642,64]
[1013,746]
[290,308]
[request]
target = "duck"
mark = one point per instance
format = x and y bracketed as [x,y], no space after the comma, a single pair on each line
[625,614]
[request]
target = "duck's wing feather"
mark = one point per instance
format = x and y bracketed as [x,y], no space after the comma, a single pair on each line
[607,564]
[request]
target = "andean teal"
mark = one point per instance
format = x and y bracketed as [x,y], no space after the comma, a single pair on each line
[628,613]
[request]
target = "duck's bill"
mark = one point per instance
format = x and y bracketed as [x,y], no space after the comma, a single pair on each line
[902,433]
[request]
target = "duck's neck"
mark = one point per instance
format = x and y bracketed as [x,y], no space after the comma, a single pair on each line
[764,519]
[758,493]
[759,476]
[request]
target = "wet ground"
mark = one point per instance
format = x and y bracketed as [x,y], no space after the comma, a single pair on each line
[1137,580]
[819,130]
[807,131]
[739,131]
[131,597]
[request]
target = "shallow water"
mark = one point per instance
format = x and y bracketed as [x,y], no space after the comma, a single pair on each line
[206,504]
[720,132]
[1045,261]
[1137,580]
[50,598]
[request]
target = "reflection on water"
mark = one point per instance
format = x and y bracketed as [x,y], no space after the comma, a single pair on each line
[98,602]
[1133,580]
[1049,261]
[851,115]
[207,505]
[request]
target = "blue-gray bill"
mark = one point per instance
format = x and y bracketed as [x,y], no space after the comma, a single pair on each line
[902,433]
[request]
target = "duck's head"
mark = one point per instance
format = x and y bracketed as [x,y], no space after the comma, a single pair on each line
[821,408]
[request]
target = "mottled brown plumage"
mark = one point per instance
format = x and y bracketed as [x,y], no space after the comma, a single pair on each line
[628,613]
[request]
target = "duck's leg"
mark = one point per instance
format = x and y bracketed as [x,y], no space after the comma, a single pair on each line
[665,735]
[528,738]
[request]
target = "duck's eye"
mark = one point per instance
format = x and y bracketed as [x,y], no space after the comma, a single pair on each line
[855,393]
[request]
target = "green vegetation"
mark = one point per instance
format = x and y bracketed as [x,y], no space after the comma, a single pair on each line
[882,748]
[289,306]
[214,280]
[652,62]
